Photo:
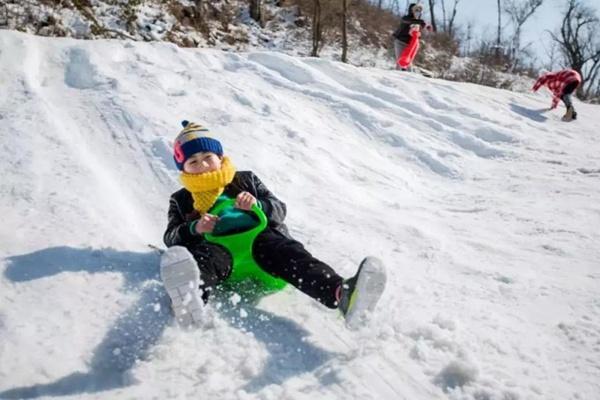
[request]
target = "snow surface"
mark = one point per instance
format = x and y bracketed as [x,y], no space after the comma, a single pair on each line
[484,208]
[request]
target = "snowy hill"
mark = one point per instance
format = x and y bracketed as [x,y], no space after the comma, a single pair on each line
[484,208]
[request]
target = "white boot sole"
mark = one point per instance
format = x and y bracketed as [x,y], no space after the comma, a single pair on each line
[369,288]
[181,278]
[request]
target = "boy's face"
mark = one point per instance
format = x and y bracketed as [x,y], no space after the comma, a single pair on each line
[200,163]
[417,11]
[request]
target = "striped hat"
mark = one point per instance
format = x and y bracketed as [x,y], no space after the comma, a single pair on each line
[191,140]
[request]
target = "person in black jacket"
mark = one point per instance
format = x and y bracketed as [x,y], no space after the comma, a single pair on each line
[209,177]
[412,20]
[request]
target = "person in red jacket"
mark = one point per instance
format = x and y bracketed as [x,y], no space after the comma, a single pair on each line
[562,84]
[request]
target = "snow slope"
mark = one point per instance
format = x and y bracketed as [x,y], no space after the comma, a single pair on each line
[484,208]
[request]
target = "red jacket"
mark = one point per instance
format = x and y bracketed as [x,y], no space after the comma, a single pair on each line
[556,82]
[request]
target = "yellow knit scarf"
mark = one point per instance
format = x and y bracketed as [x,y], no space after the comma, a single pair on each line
[207,187]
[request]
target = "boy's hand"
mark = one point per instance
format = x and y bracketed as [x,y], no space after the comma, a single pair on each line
[206,223]
[415,28]
[245,201]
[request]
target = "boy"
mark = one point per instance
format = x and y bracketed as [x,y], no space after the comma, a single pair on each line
[192,266]
[402,35]
[562,84]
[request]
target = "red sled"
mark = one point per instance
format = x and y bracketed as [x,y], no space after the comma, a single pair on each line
[410,51]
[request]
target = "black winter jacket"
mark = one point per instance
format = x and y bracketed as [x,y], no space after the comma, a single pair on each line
[182,213]
[402,33]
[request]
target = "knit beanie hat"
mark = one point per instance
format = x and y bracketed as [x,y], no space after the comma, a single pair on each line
[412,6]
[191,140]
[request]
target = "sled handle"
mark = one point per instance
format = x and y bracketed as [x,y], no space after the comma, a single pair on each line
[250,234]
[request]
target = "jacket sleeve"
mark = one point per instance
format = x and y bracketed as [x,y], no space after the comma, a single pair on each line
[555,100]
[273,208]
[178,231]
[398,32]
[538,84]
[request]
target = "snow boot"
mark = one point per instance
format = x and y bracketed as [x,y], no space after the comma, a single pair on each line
[360,294]
[181,278]
[568,117]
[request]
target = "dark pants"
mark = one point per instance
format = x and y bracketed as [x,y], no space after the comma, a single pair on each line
[278,255]
[566,95]
[399,47]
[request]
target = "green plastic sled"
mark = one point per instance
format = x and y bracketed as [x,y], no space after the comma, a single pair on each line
[239,246]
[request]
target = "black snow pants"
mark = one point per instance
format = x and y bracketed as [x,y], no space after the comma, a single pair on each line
[278,255]
[567,91]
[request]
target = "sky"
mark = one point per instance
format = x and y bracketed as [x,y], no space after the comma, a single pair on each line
[484,13]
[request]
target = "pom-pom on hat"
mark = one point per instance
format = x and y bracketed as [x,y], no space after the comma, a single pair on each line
[191,140]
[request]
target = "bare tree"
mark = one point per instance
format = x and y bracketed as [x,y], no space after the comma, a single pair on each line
[448,23]
[468,37]
[345,30]
[4,17]
[395,7]
[255,10]
[519,12]
[432,13]
[552,54]
[499,36]
[444,26]
[452,17]
[579,43]
[316,28]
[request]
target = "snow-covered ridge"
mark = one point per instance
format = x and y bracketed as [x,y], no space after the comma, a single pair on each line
[227,25]
[484,208]
[224,25]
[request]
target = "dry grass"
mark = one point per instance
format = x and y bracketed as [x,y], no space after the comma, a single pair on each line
[189,16]
[373,26]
